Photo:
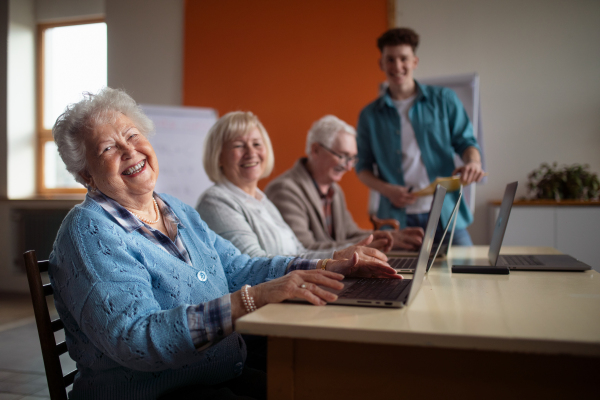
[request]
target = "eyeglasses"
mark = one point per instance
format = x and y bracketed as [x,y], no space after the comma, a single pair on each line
[344,159]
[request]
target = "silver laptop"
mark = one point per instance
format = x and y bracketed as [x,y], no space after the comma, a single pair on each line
[551,262]
[394,293]
[408,264]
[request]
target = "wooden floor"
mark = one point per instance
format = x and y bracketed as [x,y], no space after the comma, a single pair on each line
[22,374]
[14,309]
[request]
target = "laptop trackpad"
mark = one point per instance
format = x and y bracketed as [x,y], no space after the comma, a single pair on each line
[347,283]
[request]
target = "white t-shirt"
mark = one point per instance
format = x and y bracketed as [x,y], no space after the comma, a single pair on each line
[415,174]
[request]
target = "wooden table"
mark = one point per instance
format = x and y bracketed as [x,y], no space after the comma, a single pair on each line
[523,335]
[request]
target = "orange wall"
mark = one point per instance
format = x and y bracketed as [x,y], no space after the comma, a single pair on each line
[289,62]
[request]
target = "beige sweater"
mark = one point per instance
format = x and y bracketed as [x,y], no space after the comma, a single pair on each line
[295,195]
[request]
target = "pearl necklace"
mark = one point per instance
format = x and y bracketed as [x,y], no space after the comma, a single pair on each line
[146,220]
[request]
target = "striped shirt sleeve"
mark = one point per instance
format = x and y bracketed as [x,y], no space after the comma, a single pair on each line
[210,322]
[302,264]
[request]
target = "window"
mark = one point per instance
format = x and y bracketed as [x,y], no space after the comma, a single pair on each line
[71,60]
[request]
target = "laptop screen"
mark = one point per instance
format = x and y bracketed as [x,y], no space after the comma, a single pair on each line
[434,217]
[502,222]
[450,221]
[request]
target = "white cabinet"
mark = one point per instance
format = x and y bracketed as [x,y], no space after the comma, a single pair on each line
[574,230]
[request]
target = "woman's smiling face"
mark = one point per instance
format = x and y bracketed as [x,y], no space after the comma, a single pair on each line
[243,160]
[121,162]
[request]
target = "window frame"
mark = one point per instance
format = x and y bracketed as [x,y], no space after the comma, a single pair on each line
[43,135]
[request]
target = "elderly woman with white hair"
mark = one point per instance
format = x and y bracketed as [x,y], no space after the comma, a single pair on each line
[237,154]
[311,201]
[148,294]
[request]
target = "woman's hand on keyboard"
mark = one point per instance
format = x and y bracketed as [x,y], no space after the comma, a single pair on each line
[365,267]
[298,284]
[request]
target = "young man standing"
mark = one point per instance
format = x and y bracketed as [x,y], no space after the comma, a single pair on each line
[410,133]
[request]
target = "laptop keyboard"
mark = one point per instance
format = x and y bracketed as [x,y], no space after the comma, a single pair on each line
[520,260]
[375,289]
[403,263]
[406,263]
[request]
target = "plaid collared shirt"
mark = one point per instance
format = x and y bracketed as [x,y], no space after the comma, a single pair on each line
[208,322]
[326,202]
[130,223]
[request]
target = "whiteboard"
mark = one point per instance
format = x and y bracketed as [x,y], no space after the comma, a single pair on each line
[178,143]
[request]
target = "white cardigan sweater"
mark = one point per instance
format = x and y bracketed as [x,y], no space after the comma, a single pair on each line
[254,226]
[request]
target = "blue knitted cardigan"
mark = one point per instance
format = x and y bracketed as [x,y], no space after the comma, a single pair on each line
[123,301]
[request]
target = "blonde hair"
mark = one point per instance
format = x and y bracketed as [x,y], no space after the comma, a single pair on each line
[228,127]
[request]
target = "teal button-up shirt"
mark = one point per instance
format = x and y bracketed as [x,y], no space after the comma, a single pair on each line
[442,128]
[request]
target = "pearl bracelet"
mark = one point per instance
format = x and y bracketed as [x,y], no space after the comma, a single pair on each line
[247,299]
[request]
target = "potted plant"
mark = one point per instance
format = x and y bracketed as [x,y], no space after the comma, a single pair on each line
[573,182]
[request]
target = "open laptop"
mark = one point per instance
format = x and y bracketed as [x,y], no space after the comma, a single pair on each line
[408,264]
[393,293]
[550,262]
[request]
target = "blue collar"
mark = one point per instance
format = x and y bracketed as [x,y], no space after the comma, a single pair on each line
[386,100]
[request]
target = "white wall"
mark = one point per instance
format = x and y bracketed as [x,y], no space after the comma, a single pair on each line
[538,62]
[145,49]
[63,10]
[4,21]
[16,133]
[21,99]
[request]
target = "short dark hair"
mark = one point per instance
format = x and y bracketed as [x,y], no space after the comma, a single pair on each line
[398,36]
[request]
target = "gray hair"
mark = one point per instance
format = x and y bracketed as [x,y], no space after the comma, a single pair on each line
[81,118]
[325,130]
[228,127]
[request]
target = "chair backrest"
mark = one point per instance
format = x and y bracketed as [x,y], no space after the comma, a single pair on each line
[380,223]
[51,351]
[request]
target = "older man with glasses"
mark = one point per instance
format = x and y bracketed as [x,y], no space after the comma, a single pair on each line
[313,204]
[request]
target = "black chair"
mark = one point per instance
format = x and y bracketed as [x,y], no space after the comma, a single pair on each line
[51,351]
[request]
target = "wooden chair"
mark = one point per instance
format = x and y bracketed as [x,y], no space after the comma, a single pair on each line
[378,223]
[51,351]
